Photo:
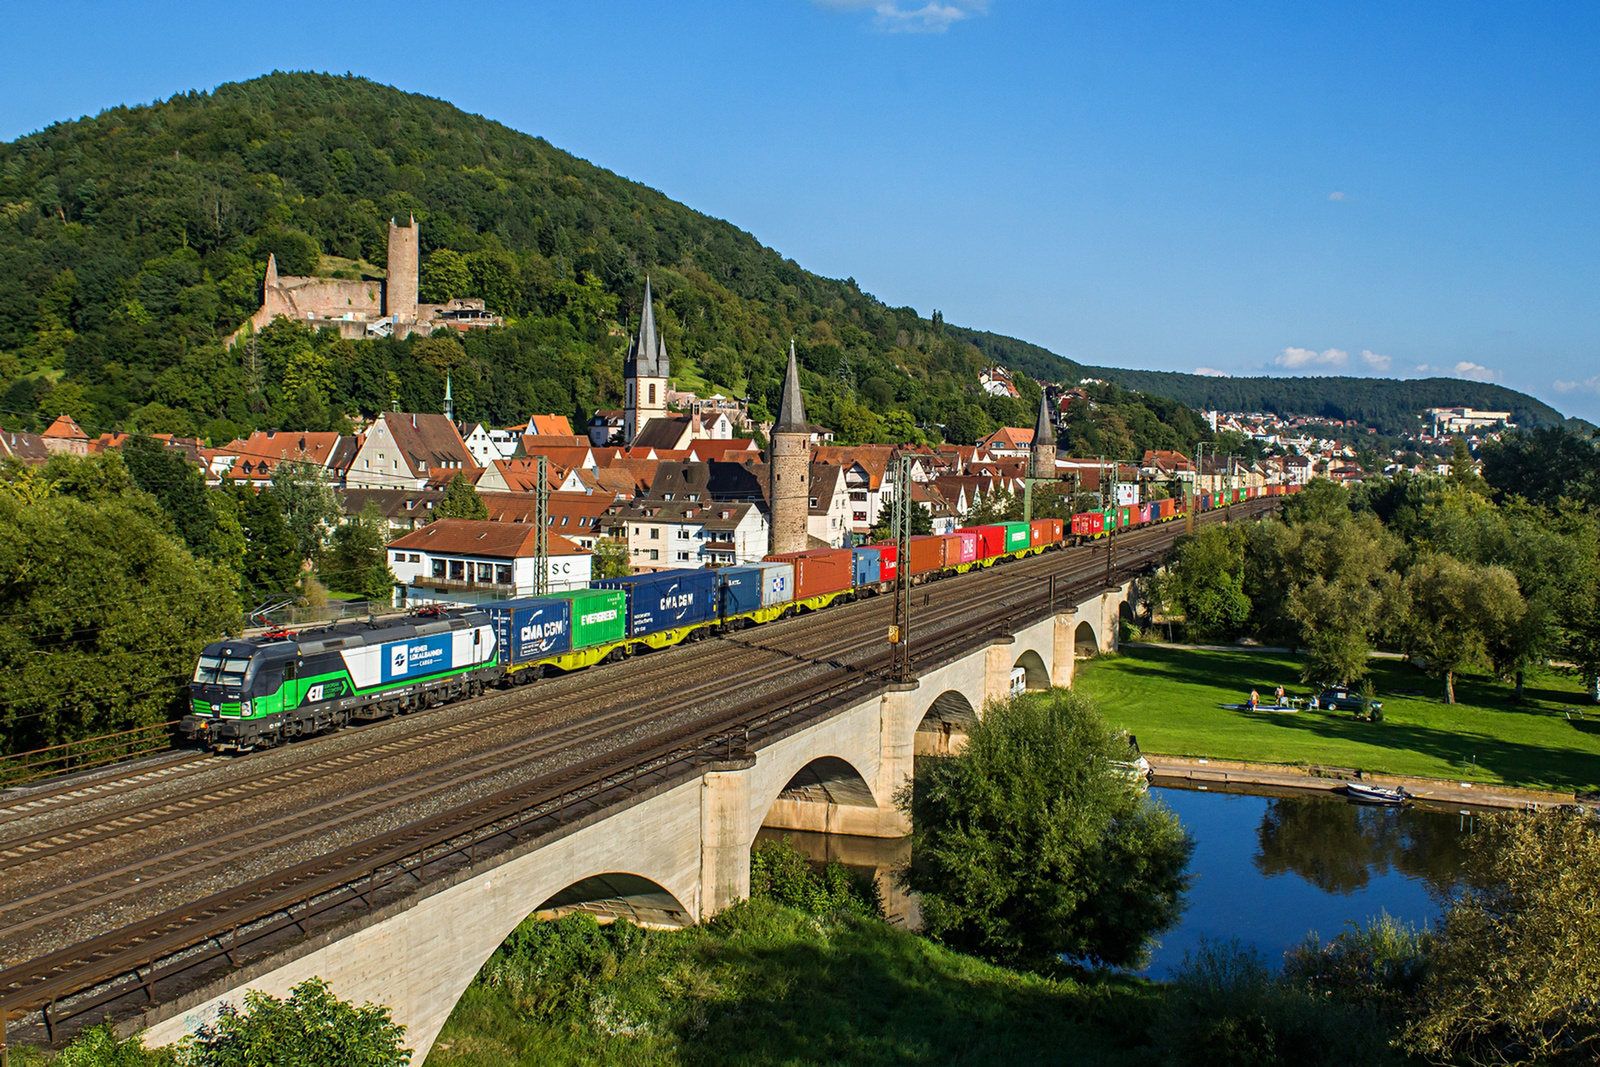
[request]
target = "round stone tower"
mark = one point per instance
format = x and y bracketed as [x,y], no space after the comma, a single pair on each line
[1043,459]
[789,467]
[400,288]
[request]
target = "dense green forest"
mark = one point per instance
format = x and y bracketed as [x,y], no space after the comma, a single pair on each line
[1388,404]
[134,242]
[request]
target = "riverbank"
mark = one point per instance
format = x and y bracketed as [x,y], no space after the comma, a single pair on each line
[1176,702]
[1266,779]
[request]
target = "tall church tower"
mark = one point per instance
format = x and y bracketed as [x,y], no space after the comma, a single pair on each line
[789,465]
[405,262]
[1042,462]
[645,373]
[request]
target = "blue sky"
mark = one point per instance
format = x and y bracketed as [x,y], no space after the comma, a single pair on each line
[1229,187]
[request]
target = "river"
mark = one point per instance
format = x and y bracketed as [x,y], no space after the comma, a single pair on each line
[1267,870]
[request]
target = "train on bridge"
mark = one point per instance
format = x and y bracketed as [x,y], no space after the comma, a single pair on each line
[258,692]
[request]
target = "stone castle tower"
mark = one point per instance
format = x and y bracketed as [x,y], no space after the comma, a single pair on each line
[1042,462]
[645,374]
[789,465]
[405,257]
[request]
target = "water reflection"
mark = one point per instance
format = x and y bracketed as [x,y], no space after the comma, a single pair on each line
[1339,847]
[1268,870]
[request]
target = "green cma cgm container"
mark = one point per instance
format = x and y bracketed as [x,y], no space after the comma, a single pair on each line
[599,616]
[1018,536]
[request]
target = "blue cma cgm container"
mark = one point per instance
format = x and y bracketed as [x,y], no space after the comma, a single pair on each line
[666,600]
[531,628]
[739,590]
[865,567]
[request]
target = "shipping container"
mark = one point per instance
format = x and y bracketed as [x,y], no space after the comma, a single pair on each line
[926,553]
[991,540]
[777,583]
[1043,532]
[599,616]
[819,571]
[888,565]
[1017,536]
[530,629]
[666,600]
[1089,523]
[864,567]
[969,546]
[738,590]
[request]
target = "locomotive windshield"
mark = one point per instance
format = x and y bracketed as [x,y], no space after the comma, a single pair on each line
[221,670]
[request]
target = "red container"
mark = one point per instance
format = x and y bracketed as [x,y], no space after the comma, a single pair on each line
[991,540]
[888,562]
[819,571]
[926,553]
[960,547]
[1088,523]
[1044,532]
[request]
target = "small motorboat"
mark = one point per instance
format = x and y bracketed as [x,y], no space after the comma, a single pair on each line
[1376,794]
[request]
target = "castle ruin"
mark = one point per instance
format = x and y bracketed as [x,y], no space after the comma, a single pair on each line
[369,307]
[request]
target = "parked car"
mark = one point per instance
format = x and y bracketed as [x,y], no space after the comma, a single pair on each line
[1346,699]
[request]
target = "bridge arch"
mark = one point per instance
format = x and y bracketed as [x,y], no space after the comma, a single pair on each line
[943,728]
[618,894]
[1036,676]
[1085,642]
[828,795]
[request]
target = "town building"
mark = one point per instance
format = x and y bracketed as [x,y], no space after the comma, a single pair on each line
[1447,421]
[667,534]
[410,451]
[474,561]
[65,437]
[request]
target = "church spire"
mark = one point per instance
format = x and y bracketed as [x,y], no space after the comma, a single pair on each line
[648,356]
[792,407]
[449,405]
[1044,431]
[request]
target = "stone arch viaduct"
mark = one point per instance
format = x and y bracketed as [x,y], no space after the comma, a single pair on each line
[675,854]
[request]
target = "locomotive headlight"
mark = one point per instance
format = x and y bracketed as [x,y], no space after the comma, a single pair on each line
[244,708]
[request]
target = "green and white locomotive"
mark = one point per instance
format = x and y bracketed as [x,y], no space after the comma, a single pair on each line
[256,692]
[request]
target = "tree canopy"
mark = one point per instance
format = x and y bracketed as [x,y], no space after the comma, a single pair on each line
[1036,843]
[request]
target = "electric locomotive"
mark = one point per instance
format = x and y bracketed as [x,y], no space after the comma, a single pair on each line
[258,691]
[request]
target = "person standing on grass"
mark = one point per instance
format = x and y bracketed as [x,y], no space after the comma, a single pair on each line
[1255,700]
[1277,698]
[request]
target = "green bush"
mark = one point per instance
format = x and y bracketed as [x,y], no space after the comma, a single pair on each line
[779,872]
[1226,1008]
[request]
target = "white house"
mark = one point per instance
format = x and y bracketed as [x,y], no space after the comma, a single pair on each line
[663,534]
[474,561]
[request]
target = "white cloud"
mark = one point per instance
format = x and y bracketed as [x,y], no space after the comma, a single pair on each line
[1306,357]
[1374,360]
[895,16]
[1590,384]
[1476,372]
[1212,372]
[1338,196]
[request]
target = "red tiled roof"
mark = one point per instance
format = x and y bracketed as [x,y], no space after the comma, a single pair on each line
[65,428]
[480,537]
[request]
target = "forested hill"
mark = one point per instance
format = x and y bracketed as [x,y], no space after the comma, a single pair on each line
[1387,403]
[134,242]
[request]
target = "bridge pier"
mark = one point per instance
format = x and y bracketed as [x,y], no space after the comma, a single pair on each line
[725,834]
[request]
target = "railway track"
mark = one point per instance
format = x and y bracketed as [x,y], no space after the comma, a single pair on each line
[163,880]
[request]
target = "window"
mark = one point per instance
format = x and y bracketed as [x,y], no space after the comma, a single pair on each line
[655,554]
[414,558]
[486,572]
[502,573]
[638,532]
[438,568]
[458,570]
[399,557]
[655,533]
[683,556]
[652,394]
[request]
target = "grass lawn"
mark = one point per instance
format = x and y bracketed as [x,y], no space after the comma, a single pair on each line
[765,985]
[1172,700]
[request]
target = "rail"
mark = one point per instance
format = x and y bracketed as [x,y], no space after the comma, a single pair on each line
[86,753]
[363,876]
